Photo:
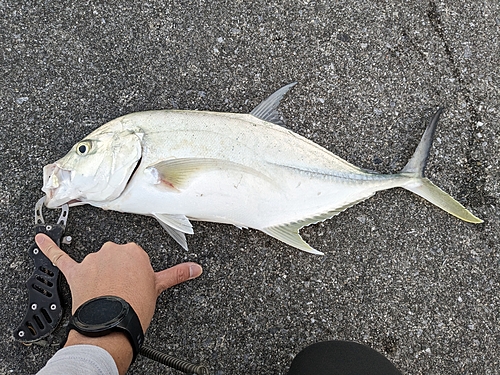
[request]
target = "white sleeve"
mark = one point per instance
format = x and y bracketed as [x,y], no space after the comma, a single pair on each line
[80,360]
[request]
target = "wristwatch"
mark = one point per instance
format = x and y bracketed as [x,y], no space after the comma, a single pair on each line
[102,315]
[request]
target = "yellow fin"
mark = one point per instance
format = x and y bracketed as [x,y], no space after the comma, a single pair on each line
[177,173]
[420,185]
[427,190]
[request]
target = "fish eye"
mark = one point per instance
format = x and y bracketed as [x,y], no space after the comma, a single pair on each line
[83,148]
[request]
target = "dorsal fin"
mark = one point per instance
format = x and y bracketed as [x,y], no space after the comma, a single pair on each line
[268,109]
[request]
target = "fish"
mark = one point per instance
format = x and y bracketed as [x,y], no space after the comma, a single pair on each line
[244,169]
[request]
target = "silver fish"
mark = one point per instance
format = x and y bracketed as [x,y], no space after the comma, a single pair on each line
[241,169]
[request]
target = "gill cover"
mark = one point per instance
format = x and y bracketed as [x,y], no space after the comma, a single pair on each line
[96,169]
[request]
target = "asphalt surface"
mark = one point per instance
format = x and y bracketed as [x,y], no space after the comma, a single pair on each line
[399,275]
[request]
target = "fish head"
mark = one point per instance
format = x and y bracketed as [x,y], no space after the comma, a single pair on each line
[96,170]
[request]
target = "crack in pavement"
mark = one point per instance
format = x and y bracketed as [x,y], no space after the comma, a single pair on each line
[474,187]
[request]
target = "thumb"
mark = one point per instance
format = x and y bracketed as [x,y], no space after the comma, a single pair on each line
[57,256]
[176,275]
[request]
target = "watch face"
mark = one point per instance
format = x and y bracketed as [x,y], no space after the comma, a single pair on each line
[101,313]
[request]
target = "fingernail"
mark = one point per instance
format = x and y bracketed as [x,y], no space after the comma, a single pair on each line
[194,271]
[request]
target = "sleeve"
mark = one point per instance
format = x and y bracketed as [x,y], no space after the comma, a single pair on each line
[80,360]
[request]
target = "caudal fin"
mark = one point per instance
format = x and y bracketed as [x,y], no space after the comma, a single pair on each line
[427,190]
[420,185]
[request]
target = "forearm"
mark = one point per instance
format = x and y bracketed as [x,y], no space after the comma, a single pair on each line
[116,344]
[80,360]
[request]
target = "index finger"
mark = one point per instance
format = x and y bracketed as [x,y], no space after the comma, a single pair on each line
[57,256]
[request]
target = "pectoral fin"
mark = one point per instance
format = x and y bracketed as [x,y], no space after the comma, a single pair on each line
[176,174]
[176,226]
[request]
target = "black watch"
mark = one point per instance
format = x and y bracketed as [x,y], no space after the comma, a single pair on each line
[102,315]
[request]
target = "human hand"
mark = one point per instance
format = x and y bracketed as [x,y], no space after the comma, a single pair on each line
[119,270]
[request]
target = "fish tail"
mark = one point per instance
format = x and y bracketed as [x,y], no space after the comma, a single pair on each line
[422,186]
[427,190]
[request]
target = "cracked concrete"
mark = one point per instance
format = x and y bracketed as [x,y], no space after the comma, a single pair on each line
[399,275]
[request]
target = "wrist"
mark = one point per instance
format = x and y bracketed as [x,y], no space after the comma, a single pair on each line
[101,316]
[117,344]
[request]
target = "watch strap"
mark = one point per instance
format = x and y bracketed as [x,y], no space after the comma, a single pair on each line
[128,323]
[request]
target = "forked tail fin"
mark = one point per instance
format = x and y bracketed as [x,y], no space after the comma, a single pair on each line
[425,188]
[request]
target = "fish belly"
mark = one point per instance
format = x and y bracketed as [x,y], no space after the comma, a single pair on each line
[247,201]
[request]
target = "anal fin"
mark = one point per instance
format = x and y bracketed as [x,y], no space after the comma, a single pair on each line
[289,234]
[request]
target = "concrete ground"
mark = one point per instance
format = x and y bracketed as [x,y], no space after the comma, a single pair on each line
[398,275]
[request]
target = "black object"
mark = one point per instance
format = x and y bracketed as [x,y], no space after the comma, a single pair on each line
[341,358]
[173,362]
[102,315]
[44,310]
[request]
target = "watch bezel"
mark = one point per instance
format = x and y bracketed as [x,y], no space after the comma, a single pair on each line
[100,329]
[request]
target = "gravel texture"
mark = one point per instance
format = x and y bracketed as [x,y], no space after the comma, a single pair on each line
[399,275]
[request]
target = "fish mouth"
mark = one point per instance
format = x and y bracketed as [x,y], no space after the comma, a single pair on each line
[56,186]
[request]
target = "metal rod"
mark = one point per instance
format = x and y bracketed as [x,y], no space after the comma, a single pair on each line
[173,362]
